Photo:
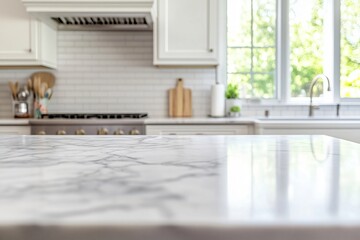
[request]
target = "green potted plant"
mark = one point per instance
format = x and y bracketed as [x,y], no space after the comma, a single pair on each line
[233,103]
[232,91]
[235,111]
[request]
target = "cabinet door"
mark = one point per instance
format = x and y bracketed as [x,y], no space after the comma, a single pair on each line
[14,130]
[347,134]
[187,32]
[17,32]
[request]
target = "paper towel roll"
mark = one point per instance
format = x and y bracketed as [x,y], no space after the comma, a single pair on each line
[217,100]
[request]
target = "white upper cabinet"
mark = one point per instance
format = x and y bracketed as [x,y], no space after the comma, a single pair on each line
[186,33]
[24,41]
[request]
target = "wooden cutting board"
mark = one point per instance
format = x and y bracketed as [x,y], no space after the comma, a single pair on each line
[187,103]
[180,101]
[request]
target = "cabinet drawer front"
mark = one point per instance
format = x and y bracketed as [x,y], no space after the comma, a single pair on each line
[198,130]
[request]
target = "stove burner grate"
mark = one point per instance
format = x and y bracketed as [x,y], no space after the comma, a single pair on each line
[95,116]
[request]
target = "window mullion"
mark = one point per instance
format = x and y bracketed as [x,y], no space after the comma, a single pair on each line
[283,51]
[337,56]
[332,47]
[252,49]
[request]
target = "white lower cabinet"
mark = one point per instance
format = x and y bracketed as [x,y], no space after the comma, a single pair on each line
[343,133]
[199,129]
[15,130]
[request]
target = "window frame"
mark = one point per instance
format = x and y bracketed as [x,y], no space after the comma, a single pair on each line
[252,47]
[332,29]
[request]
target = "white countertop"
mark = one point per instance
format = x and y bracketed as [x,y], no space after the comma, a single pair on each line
[173,187]
[13,122]
[343,122]
[208,120]
[321,122]
[147,121]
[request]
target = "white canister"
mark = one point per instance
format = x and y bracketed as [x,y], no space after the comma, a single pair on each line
[217,100]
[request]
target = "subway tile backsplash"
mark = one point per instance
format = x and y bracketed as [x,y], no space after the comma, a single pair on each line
[113,72]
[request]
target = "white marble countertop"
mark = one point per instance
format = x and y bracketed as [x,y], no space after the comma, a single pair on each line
[306,122]
[208,120]
[198,187]
[148,121]
[281,122]
[13,122]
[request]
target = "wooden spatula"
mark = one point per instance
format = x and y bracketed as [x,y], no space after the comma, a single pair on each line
[13,90]
[45,77]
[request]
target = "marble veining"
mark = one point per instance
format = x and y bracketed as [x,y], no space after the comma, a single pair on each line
[162,180]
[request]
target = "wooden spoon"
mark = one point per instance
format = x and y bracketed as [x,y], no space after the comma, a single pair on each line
[47,77]
[37,84]
[16,87]
[30,85]
[13,90]
[34,86]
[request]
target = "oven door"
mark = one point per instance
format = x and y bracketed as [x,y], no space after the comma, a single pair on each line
[123,129]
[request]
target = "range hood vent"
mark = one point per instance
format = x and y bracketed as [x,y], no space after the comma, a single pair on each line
[101,23]
[93,14]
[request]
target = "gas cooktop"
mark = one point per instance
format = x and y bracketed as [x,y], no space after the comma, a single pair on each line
[126,124]
[95,115]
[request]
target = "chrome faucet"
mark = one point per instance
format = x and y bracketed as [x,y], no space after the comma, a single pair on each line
[313,82]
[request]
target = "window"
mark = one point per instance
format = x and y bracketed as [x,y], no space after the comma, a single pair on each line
[251,47]
[306,45]
[350,49]
[267,66]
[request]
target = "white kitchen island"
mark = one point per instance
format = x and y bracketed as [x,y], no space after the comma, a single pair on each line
[179,187]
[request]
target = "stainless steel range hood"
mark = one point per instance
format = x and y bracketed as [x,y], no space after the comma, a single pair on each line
[93,14]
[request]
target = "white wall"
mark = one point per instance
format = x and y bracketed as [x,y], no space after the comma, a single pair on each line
[113,72]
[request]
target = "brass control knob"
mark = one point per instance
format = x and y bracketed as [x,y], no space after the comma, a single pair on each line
[119,132]
[102,131]
[41,132]
[80,132]
[134,132]
[61,132]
